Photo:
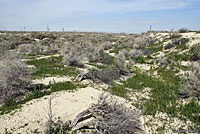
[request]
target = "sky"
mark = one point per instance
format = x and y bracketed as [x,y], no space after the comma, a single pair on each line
[116,16]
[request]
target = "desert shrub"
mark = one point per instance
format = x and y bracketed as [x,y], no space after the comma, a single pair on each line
[14,76]
[55,126]
[107,45]
[50,49]
[70,58]
[177,43]
[28,48]
[183,30]
[106,75]
[106,58]
[136,46]
[125,52]
[120,60]
[174,35]
[38,35]
[191,85]
[110,117]
[95,55]
[16,40]
[143,41]
[167,61]
[130,42]
[118,119]
[53,48]
[135,52]
[160,61]
[152,49]
[96,75]
[195,52]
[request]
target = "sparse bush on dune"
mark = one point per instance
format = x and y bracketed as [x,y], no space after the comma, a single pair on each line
[28,48]
[125,52]
[106,75]
[94,55]
[130,42]
[143,41]
[174,35]
[51,49]
[106,59]
[178,42]
[120,60]
[135,52]
[16,40]
[38,49]
[110,117]
[96,75]
[70,58]
[43,35]
[161,61]
[109,74]
[183,30]
[191,86]
[14,76]
[106,45]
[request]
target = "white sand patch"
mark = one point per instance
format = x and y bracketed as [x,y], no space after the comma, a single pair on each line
[49,56]
[107,51]
[86,68]
[194,38]
[112,54]
[31,66]
[185,63]
[26,59]
[160,36]
[139,96]
[32,115]
[122,36]
[160,54]
[184,101]
[143,66]
[42,57]
[48,80]
[152,124]
[37,40]
[65,105]
[113,43]
[167,42]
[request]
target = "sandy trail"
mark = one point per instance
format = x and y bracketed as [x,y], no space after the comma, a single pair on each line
[49,56]
[43,57]
[48,80]
[33,115]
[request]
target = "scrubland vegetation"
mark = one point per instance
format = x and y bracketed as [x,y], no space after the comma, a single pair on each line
[167,64]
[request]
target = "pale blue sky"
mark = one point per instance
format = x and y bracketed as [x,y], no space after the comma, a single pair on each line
[130,16]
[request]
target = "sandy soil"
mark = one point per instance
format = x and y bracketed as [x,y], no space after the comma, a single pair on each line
[154,124]
[194,38]
[45,57]
[42,57]
[48,80]
[145,67]
[33,115]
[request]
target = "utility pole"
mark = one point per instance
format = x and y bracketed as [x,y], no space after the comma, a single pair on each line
[47,27]
[150,28]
